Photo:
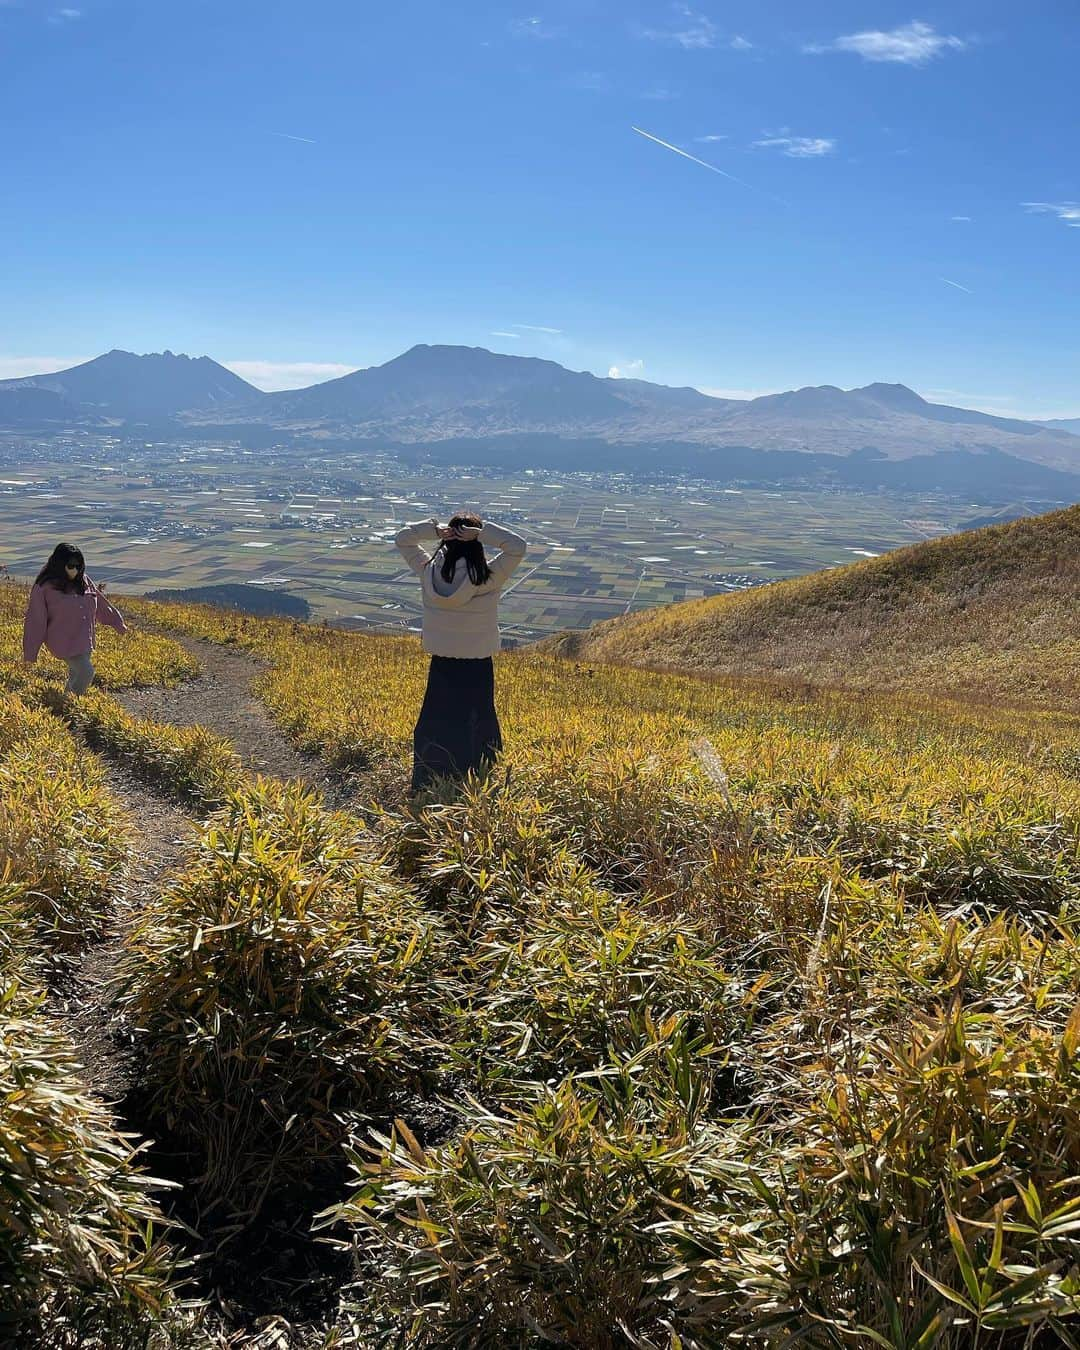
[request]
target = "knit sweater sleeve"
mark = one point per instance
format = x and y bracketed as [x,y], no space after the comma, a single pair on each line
[409,546]
[104,611]
[35,624]
[513,550]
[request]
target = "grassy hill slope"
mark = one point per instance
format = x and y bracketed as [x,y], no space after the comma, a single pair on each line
[988,614]
[722,1013]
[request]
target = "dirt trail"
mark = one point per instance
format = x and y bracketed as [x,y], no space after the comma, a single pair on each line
[83,1001]
[163,832]
[221,700]
[294,1281]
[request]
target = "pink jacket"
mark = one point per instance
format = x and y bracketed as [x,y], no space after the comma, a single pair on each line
[65,621]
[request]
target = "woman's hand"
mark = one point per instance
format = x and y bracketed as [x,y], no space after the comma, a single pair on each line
[467,533]
[463,533]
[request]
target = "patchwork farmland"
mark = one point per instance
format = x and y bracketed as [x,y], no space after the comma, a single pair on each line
[170,515]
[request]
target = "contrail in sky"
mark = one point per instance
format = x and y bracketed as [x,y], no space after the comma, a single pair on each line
[286,137]
[705,164]
[956,284]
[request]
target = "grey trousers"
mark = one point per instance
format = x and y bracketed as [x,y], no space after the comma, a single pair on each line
[80,674]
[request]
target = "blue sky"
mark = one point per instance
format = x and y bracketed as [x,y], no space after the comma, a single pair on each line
[298,189]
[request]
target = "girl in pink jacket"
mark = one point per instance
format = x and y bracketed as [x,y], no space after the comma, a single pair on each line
[62,615]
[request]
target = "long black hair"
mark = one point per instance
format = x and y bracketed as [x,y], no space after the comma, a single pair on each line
[53,571]
[472,550]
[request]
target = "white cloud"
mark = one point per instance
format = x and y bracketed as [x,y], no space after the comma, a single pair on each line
[22,367]
[694,31]
[799,147]
[286,136]
[971,400]
[535,27]
[738,393]
[271,375]
[997,405]
[964,219]
[956,285]
[706,139]
[522,332]
[631,370]
[1069,212]
[592,81]
[65,15]
[912,44]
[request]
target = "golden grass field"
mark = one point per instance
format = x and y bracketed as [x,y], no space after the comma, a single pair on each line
[990,615]
[724,1012]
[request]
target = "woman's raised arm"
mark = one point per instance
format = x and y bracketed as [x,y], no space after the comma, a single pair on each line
[513,549]
[106,612]
[409,546]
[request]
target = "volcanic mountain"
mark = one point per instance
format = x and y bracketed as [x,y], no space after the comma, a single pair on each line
[123,385]
[467,404]
[462,390]
[989,614]
[433,394]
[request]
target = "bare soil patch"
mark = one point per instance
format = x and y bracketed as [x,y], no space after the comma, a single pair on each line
[221,699]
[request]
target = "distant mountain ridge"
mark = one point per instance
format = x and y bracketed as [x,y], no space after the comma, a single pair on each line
[430,393]
[1070,424]
[123,385]
[440,397]
[988,613]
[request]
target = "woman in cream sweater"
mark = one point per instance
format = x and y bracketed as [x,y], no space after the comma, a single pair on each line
[458,729]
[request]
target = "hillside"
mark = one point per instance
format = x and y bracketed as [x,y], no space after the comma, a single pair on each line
[261,600]
[569,1057]
[31,406]
[991,614]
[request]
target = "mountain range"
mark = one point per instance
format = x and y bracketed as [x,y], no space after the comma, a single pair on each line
[467,401]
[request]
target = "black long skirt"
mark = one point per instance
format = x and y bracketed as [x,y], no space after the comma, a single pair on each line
[457,731]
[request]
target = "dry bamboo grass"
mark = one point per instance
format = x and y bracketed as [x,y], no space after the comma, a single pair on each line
[804,994]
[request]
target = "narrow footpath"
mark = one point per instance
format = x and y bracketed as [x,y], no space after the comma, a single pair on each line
[83,1002]
[221,700]
[163,832]
[282,1300]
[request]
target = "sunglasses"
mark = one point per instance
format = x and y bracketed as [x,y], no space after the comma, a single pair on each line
[74,566]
